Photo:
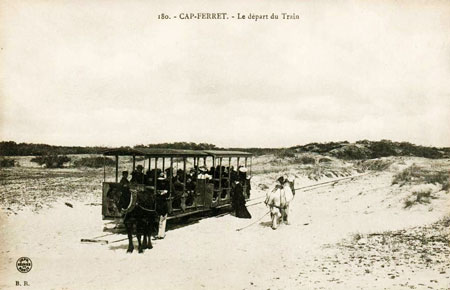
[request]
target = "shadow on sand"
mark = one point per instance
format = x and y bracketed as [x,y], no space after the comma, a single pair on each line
[116,227]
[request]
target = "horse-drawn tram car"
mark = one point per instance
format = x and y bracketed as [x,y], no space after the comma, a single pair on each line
[193,181]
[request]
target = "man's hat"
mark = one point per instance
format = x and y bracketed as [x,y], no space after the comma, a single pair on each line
[162,176]
[140,166]
[242,169]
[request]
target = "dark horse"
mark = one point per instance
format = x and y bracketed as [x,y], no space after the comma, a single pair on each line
[137,208]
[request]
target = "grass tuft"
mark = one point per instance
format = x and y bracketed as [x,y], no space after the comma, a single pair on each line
[417,175]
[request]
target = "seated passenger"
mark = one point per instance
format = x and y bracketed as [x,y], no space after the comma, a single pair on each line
[190,192]
[124,180]
[148,178]
[190,184]
[203,173]
[137,176]
[168,171]
[178,184]
[161,183]
[217,172]
[180,174]
[225,171]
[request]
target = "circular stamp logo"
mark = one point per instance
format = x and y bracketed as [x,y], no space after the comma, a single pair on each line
[24,264]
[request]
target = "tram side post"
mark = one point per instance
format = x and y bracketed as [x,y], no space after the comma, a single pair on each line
[117,168]
[220,177]
[104,168]
[156,167]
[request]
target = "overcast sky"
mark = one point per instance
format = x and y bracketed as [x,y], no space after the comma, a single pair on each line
[111,73]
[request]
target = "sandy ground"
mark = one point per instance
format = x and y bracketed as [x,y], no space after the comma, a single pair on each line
[355,234]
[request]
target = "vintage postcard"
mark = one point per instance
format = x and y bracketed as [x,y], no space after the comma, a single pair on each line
[224,144]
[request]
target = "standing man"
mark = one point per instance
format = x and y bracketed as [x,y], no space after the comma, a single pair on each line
[273,200]
[161,205]
[278,200]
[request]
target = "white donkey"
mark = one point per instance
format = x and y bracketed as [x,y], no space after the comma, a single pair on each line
[278,200]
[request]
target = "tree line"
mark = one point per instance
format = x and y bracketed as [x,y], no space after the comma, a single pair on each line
[363,149]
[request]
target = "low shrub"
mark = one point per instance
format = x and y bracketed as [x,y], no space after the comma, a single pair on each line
[94,162]
[351,152]
[375,165]
[5,162]
[324,160]
[417,175]
[51,161]
[285,153]
[422,196]
[306,160]
[407,175]
[437,177]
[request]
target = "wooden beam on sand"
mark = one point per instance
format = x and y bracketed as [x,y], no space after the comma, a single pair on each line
[94,241]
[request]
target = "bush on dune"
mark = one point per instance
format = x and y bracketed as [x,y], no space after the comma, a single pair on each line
[4,162]
[418,175]
[407,175]
[285,153]
[422,196]
[51,161]
[306,160]
[375,165]
[351,152]
[94,162]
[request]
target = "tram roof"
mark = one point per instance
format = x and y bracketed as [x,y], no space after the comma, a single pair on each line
[162,152]
[223,153]
[154,152]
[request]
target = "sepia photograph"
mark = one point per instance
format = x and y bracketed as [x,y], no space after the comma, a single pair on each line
[225,144]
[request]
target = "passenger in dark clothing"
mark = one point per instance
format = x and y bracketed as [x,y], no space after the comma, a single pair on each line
[148,178]
[178,188]
[239,202]
[161,183]
[137,176]
[242,173]
[234,175]
[168,171]
[124,181]
[245,180]
[212,171]
[125,184]
[161,204]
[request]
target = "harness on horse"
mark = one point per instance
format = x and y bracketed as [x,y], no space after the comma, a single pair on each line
[133,203]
